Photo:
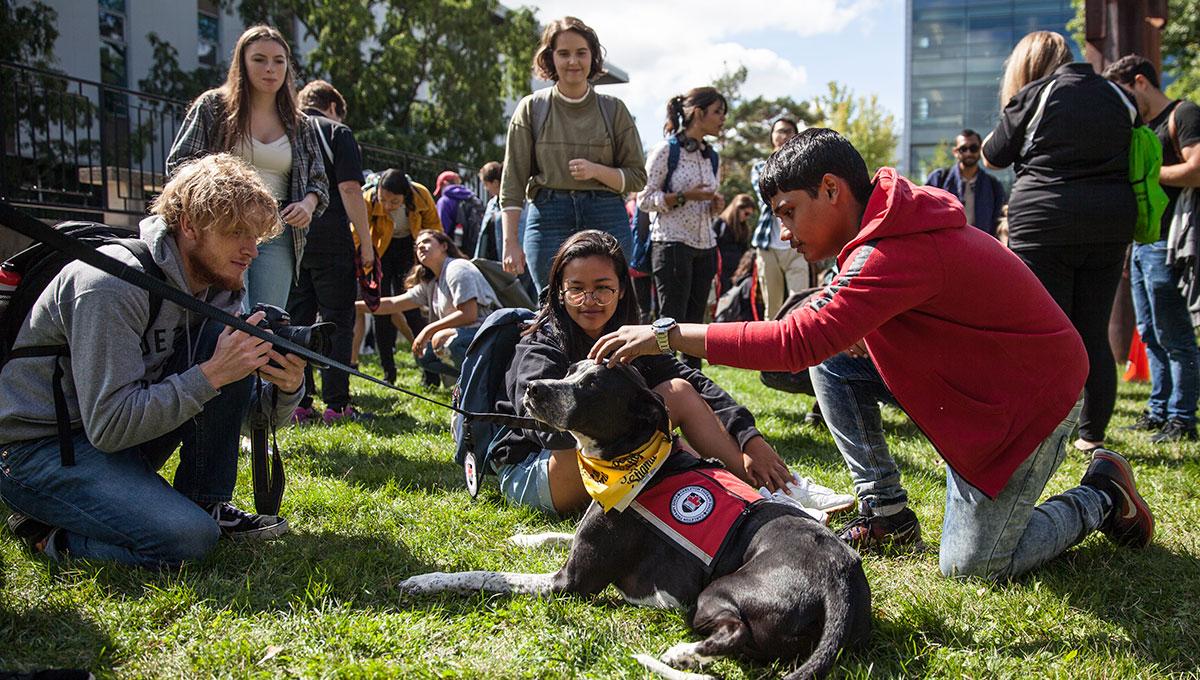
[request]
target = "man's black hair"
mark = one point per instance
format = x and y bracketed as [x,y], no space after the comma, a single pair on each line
[968,132]
[806,158]
[1124,70]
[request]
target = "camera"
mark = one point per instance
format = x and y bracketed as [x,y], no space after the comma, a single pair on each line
[315,337]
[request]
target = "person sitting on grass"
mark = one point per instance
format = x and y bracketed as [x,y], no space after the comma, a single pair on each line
[590,294]
[137,392]
[941,320]
[456,296]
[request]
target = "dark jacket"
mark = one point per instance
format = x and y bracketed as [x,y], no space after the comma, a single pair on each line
[541,355]
[989,195]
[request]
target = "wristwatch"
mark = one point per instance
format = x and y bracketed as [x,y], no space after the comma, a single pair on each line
[680,199]
[661,328]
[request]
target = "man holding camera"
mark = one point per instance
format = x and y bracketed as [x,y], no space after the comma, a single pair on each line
[136,389]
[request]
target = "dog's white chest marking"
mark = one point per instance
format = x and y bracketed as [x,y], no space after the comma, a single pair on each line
[548,539]
[468,582]
[585,443]
[659,599]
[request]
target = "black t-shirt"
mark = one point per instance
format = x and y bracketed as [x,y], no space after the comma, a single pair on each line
[1071,159]
[1187,128]
[330,233]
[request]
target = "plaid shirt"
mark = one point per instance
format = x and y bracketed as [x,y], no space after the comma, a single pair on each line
[199,135]
[766,219]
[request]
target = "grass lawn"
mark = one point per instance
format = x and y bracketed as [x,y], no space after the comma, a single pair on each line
[371,505]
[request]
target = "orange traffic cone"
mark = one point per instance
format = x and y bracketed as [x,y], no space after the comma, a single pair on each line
[1137,369]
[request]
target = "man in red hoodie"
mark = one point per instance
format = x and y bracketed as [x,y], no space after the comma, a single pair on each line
[946,323]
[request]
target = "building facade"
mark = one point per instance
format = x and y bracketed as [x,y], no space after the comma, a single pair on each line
[954,59]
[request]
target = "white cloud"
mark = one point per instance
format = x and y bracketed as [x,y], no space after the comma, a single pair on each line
[667,48]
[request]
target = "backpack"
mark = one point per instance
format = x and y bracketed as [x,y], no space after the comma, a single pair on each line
[1145,162]
[468,219]
[508,289]
[479,386]
[539,111]
[786,381]
[740,302]
[25,275]
[673,161]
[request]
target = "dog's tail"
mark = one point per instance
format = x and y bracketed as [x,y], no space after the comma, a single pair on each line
[845,625]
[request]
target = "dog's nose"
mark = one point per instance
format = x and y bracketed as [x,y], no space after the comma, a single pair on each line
[535,389]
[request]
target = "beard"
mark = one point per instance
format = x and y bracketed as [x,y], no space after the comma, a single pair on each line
[969,162]
[205,263]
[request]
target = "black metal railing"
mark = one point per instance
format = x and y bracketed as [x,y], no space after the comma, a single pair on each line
[75,146]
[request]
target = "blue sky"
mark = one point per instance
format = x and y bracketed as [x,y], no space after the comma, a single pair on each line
[791,47]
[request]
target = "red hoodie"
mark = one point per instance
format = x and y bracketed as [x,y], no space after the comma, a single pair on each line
[966,338]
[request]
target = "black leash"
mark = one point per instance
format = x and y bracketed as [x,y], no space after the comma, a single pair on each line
[24,224]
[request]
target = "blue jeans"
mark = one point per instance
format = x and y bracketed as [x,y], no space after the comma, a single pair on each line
[528,482]
[269,278]
[452,364]
[115,506]
[554,215]
[1165,325]
[994,538]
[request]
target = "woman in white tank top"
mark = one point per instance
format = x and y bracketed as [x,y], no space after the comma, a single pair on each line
[253,115]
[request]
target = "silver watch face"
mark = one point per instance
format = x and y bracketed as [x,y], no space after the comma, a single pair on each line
[663,324]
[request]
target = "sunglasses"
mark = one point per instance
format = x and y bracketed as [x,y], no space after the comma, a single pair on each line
[967,148]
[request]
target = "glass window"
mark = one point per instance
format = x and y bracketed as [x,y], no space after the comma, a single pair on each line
[114,5]
[207,27]
[206,54]
[112,64]
[112,26]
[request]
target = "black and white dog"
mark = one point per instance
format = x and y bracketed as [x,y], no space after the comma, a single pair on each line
[783,587]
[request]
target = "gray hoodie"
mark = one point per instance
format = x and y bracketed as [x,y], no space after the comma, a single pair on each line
[116,364]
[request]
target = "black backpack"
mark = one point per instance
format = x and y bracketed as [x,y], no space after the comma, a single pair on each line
[25,275]
[468,219]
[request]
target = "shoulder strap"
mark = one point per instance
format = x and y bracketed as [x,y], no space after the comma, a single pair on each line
[672,161]
[141,250]
[1124,100]
[539,110]
[1032,125]
[325,146]
[1174,133]
[608,111]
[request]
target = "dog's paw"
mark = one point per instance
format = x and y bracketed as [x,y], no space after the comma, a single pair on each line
[663,670]
[683,655]
[545,539]
[424,583]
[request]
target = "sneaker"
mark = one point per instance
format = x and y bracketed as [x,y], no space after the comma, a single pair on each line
[899,532]
[238,525]
[1130,521]
[389,375]
[31,532]
[814,416]
[304,415]
[348,415]
[430,380]
[1175,430]
[812,495]
[1145,423]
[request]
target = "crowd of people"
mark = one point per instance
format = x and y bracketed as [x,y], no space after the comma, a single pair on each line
[267,202]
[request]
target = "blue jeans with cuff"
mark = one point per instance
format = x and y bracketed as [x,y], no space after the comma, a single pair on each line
[452,364]
[993,538]
[1165,325]
[114,506]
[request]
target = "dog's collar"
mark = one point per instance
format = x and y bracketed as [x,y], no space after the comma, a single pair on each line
[614,483]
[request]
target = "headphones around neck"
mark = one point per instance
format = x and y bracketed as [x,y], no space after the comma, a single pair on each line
[690,144]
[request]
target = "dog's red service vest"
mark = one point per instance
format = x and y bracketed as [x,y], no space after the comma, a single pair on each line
[696,510]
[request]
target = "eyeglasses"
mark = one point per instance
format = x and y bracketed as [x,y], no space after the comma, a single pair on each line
[968,148]
[602,296]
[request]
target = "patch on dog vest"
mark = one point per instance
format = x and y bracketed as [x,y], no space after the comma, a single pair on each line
[696,510]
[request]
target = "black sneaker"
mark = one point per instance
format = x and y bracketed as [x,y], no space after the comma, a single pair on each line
[900,532]
[238,525]
[1130,522]
[30,531]
[1145,423]
[1175,430]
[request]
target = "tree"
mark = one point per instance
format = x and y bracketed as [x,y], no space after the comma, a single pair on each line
[746,137]
[427,76]
[868,126]
[943,157]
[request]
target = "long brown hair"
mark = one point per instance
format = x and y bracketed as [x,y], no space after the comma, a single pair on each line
[586,243]
[235,91]
[682,107]
[420,273]
[543,57]
[1036,56]
[733,219]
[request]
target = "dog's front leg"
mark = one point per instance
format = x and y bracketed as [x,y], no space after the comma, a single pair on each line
[467,582]
[548,539]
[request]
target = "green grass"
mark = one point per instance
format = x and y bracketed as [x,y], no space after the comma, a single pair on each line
[372,505]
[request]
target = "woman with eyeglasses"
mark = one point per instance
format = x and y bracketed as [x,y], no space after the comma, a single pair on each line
[589,295]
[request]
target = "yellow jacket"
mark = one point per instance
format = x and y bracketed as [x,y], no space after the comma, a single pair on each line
[424,217]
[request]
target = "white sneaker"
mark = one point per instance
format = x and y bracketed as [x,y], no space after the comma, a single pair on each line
[781,497]
[812,495]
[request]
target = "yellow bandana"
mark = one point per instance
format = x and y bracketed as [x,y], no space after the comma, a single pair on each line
[615,483]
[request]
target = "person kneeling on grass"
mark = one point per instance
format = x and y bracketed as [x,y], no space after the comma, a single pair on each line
[941,320]
[590,294]
[456,296]
[134,393]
